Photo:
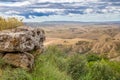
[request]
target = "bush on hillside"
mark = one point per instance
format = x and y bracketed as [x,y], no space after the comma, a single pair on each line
[76,66]
[47,66]
[93,57]
[101,70]
[16,74]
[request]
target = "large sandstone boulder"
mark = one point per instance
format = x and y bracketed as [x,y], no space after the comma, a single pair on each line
[21,39]
[23,60]
[15,45]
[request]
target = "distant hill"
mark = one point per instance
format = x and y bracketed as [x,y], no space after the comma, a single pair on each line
[79,22]
[54,23]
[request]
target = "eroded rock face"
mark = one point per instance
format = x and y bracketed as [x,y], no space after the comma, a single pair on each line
[21,39]
[82,46]
[23,60]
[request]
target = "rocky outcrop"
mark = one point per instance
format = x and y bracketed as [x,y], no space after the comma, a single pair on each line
[15,45]
[21,39]
[24,60]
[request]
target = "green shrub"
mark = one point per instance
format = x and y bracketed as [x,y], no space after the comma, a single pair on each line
[101,70]
[1,62]
[82,42]
[58,66]
[57,57]
[93,57]
[54,64]
[16,74]
[76,66]
[46,66]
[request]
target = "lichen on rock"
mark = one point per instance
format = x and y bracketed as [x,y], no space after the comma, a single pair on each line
[21,39]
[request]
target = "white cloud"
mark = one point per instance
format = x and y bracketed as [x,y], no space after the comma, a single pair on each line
[12,12]
[63,1]
[44,10]
[30,16]
[16,16]
[15,4]
[77,17]
[79,10]
[113,9]
[104,10]
[29,2]
[89,10]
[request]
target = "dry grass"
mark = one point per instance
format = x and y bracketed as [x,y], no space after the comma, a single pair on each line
[56,41]
[9,23]
[80,31]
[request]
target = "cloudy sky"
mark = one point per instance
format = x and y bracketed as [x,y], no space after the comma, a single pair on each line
[61,10]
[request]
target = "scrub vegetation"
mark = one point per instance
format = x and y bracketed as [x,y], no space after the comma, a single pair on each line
[55,64]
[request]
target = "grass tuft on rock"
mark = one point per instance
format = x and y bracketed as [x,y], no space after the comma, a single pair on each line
[9,23]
